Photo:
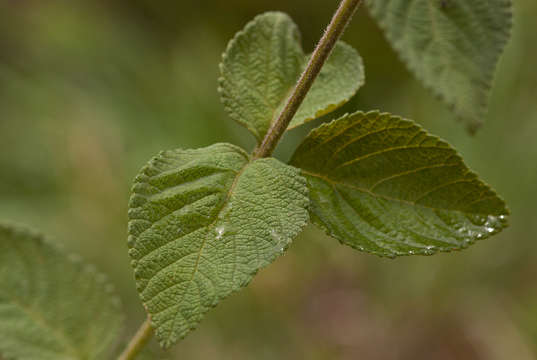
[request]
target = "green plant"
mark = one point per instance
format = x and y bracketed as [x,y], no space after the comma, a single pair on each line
[202,222]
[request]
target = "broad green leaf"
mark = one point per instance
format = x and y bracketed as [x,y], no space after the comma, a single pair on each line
[52,306]
[262,64]
[382,185]
[452,46]
[202,223]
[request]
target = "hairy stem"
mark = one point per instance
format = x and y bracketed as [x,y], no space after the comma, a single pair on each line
[333,32]
[137,343]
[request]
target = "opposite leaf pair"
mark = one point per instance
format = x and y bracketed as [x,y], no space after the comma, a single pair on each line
[261,65]
[203,222]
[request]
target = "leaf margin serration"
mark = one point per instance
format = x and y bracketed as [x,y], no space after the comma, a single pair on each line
[472,124]
[503,223]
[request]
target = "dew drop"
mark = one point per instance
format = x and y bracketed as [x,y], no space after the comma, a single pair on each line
[430,247]
[479,236]
[411,252]
[280,243]
[489,229]
[491,220]
[503,217]
[219,232]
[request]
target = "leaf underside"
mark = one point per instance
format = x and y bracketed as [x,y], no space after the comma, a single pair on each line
[202,223]
[452,46]
[261,65]
[381,184]
[52,306]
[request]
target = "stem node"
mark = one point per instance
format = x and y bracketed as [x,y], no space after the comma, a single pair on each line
[321,53]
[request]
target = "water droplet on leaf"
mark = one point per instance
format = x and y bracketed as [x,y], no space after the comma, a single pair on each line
[219,232]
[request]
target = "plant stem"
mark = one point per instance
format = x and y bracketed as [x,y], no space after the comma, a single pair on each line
[137,343]
[332,33]
[323,49]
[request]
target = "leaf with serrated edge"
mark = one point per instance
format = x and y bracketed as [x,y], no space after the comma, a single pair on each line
[52,306]
[382,185]
[262,64]
[452,46]
[202,223]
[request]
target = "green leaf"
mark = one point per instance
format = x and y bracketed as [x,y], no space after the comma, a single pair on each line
[262,64]
[382,185]
[202,223]
[52,306]
[452,46]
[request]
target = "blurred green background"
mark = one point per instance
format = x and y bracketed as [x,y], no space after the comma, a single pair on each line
[90,90]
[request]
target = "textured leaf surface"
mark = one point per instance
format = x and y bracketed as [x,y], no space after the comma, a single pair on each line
[381,184]
[51,306]
[202,222]
[451,45]
[262,64]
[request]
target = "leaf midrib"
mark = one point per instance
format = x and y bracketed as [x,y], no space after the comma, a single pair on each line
[209,228]
[385,197]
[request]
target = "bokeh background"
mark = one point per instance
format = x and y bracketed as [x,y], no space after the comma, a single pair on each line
[90,90]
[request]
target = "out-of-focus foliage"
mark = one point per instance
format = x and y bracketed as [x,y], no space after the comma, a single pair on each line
[453,46]
[89,90]
[45,298]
